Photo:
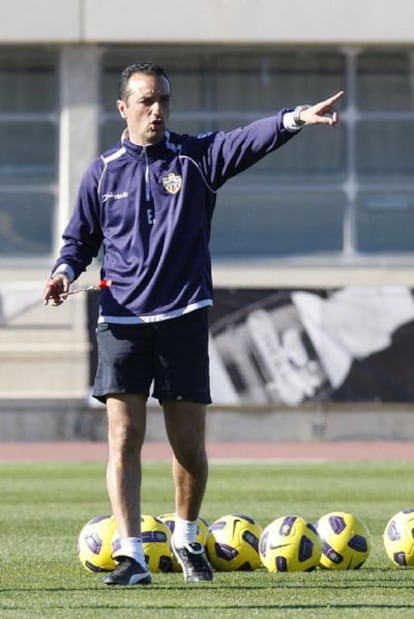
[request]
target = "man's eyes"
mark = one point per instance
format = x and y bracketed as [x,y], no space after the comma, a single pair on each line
[149,102]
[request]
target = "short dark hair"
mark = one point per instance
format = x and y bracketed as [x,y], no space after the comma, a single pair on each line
[149,68]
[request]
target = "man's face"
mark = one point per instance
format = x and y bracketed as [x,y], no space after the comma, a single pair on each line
[146,108]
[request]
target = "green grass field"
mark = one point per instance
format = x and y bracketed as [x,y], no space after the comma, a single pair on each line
[44,506]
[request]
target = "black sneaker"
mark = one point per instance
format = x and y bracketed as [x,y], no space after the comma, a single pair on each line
[128,572]
[193,561]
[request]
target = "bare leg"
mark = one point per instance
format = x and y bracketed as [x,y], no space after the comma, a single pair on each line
[126,432]
[185,425]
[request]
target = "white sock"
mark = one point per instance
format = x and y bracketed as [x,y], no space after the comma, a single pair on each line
[185,531]
[131,547]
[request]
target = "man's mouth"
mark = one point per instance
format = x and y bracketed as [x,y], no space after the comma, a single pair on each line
[156,124]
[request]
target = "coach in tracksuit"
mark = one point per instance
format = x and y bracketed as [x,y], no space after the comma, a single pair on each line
[149,201]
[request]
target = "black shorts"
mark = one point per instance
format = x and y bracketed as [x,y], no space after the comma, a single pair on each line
[171,354]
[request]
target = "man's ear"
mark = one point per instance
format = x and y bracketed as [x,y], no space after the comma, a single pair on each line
[121,105]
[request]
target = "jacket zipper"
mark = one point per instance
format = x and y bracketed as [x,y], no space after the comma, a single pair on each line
[150,205]
[147,177]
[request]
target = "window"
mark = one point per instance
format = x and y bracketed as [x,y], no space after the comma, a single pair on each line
[385,221]
[282,222]
[385,81]
[384,151]
[28,157]
[331,193]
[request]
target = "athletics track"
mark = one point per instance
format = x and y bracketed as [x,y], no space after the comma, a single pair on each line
[86,451]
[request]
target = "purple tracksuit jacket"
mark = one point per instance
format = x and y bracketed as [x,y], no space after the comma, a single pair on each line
[151,209]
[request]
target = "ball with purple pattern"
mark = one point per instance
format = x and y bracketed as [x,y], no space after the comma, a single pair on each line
[290,544]
[232,543]
[346,541]
[398,538]
[94,544]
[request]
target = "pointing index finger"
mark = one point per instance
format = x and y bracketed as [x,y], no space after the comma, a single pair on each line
[335,97]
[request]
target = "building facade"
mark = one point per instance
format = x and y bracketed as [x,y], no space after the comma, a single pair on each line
[333,208]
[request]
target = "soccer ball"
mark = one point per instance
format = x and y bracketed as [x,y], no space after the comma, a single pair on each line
[346,541]
[156,538]
[156,543]
[202,528]
[232,543]
[94,544]
[290,544]
[399,538]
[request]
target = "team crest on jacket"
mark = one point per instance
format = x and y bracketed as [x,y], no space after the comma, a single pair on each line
[172,183]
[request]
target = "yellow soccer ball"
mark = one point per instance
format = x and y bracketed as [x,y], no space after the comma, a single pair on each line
[232,543]
[346,541]
[290,544]
[94,544]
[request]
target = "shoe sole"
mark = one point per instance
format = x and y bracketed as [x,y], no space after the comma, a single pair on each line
[201,578]
[134,580]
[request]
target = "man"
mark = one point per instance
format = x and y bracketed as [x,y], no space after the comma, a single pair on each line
[149,201]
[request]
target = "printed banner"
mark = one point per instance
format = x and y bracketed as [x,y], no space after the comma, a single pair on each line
[354,344]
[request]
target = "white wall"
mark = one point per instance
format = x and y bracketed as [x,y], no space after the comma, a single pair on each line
[221,21]
[35,21]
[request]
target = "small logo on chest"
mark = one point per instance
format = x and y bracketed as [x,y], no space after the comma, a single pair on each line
[172,183]
[114,196]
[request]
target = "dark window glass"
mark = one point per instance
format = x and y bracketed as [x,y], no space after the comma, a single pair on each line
[26,223]
[300,199]
[385,81]
[28,80]
[29,127]
[29,150]
[385,221]
[385,149]
[266,223]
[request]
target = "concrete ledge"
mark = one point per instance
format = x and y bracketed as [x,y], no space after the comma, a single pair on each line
[333,423]
[350,21]
[74,419]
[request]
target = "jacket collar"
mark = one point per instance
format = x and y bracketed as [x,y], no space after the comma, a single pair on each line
[151,150]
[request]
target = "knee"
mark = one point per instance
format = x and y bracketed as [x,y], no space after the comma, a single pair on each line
[192,457]
[125,440]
